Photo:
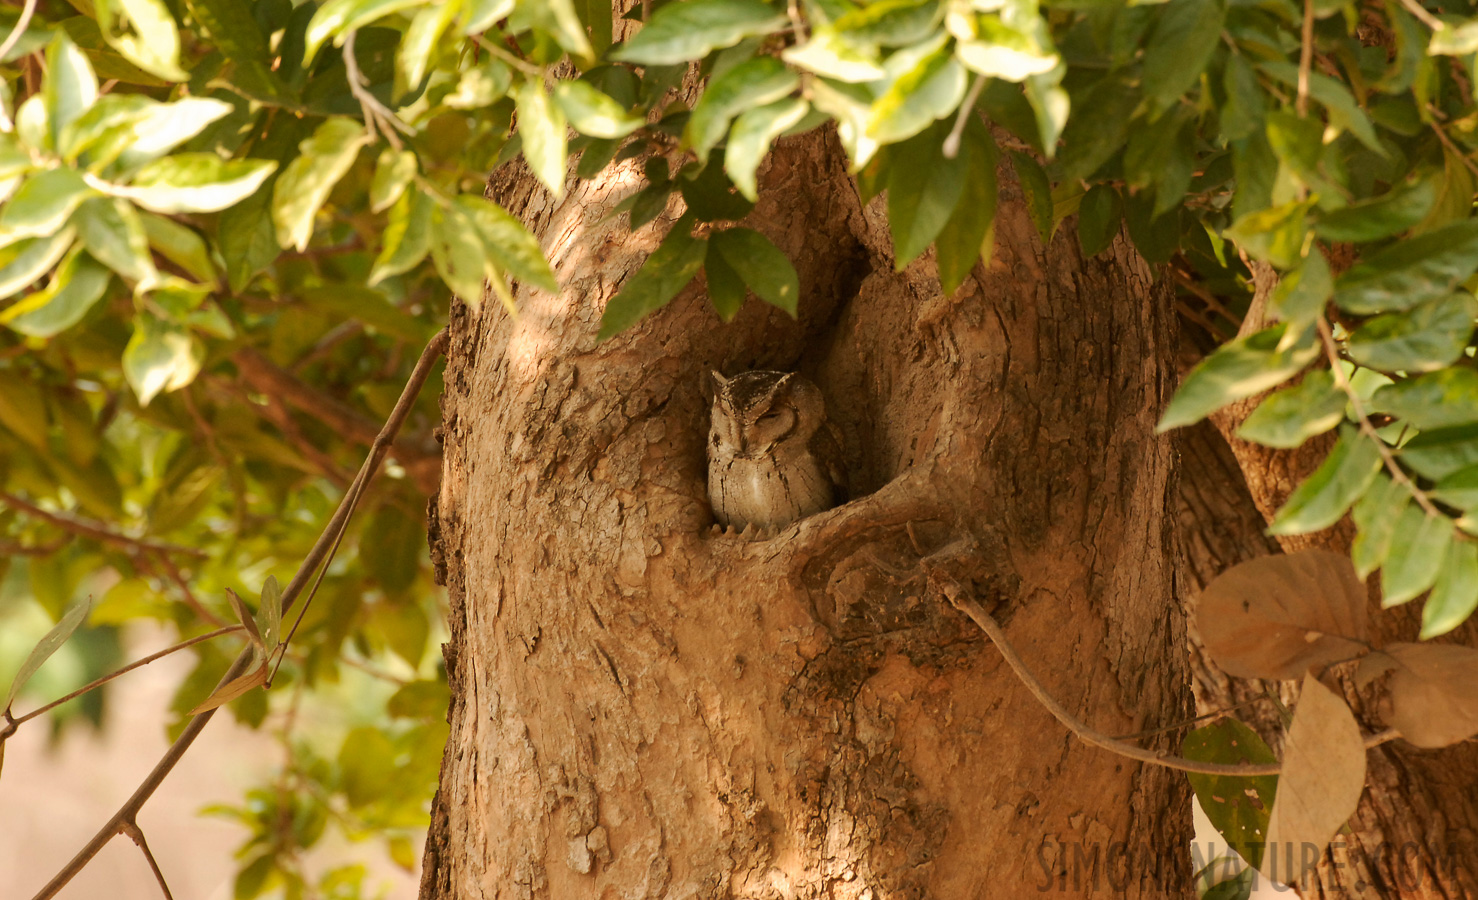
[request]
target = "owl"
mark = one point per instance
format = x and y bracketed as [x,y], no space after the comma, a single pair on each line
[773,457]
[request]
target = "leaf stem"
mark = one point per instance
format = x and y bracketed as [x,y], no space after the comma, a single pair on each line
[99,682]
[956,595]
[1305,60]
[1326,334]
[19,30]
[952,143]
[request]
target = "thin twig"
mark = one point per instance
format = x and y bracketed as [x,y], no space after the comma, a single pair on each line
[956,596]
[20,28]
[15,548]
[952,143]
[1427,19]
[315,558]
[1305,60]
[172,572]
[133,830]
[99,682]
[511,59]
[1367,429]
[1451,147]
[95,530]
[375,112]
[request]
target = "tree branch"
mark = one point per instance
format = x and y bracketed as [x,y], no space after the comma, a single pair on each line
[315,558]
[95,530]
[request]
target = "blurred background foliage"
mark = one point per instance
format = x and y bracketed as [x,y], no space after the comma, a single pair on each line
[229,227]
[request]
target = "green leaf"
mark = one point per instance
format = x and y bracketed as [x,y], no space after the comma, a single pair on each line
[1439,452]
[459,254]
[1276,235]
[1422,339]
[390,548]
[393,173]
[79,283]
[154,45]
[482,14]
[1005,52]
[1238,807]
[1334,96]
[70,621]
[923,188]
[1417,550]
[1412,271]
[710,196]
[889,23]
[1235,370]
[680,32]
[1175,55]
[1246,104]
[239,38]
[70,86]
[179,245]
[414,57]
[760,263]
[196,182]
[42,205]
[1099,124]
[111,231]
[1301,294]
[750,140]
[849,106]
[247,237]
[337,18]
[324,157]
[160,357]
[1370,220]
[1455,594]
[726,290]
[931,89]
[25,261]
[830,54]
[1034,184]
[1099,215]
[269,613]
[1293,415]
[542,125]
[1375,517]
[1434,400]
[508,243]
[407,236]
[1455,40]
[745,86]
[666,272]
[1460,489]
[592,112]
[160,127]
[1338,482]
[969,234]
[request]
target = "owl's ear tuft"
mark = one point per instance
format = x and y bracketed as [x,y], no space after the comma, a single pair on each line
[716,384]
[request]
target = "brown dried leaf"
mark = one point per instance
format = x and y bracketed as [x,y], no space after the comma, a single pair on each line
[1319,788]
[234,688]
[1278,616]
[1433,693]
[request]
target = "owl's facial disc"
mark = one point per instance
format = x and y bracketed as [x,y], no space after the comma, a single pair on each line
[768,430]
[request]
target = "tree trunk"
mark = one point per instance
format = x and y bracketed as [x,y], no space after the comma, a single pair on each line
[643,708]
[1415,833]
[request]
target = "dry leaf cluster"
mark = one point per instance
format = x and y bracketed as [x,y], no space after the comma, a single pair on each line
[1291,616]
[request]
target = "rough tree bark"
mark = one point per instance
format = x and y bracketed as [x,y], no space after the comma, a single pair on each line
[642,708]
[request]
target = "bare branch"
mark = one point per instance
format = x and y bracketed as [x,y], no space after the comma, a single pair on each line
[99,682]
[95,530]
[132,829]
[316,557]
